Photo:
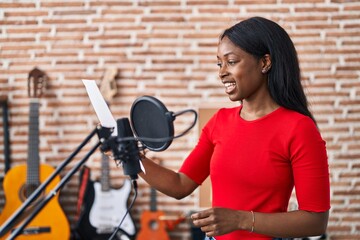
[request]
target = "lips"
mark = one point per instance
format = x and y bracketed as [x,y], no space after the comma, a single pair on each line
[229,87]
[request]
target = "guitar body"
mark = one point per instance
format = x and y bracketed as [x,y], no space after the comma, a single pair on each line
[84,228]
[109,208]
[51,220]
[152,228]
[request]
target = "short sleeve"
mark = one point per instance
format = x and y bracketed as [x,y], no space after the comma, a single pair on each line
[310,167]
[197,165]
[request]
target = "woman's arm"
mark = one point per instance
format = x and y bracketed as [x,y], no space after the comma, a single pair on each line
[219,221]
[297,223]
[173,184]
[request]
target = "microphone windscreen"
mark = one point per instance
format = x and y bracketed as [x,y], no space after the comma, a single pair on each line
[150,119]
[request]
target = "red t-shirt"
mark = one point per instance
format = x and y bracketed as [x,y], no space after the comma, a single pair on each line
[254,165]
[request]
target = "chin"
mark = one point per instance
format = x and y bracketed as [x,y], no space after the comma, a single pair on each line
[235,98]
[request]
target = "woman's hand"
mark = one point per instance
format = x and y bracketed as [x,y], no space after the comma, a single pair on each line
[219,221]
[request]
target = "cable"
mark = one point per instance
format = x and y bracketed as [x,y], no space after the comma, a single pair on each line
[134,182]
[191,126]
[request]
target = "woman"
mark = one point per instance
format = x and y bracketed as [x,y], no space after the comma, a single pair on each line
[258,152]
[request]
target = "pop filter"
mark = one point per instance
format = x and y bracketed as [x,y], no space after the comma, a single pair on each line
[150,119]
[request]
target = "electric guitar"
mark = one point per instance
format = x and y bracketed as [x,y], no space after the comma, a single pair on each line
[106,206]
[109,207]
[22,180]
[152,227]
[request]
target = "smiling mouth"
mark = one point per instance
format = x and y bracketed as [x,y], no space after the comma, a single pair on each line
[229,87]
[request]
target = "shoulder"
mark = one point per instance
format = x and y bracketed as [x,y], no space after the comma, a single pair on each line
[226,112]
[223,117]
[230,110]
[294,118]
[299,125]
[290,123]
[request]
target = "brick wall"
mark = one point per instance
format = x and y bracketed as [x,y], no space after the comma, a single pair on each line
[166,48]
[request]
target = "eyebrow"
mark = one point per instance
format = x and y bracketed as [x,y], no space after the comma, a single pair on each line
[227,54]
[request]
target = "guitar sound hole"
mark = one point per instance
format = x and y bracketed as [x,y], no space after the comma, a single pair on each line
[26,190]
[154,225]
[29,189]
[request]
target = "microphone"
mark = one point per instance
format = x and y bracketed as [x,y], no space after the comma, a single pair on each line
[127,151]
[151,126]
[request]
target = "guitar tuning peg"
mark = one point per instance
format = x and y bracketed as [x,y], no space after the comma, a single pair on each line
[36,82]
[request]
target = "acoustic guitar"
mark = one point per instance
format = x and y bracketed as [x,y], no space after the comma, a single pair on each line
[104,206]
[152,227]
[22,180]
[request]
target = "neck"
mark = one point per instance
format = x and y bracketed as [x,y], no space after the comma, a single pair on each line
[255,110]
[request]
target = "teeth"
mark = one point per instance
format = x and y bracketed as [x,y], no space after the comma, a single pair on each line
[228,84]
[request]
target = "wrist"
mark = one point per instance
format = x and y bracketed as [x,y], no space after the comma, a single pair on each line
[252,221]
[246,221]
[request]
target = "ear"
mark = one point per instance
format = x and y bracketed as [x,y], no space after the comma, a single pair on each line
[266,63]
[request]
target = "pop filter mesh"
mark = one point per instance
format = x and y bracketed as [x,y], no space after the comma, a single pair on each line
[149,119]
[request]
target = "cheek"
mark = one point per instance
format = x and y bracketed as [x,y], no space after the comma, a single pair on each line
[249,81]
[244,77]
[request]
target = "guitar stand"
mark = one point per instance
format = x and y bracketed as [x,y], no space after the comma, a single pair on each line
[103,133]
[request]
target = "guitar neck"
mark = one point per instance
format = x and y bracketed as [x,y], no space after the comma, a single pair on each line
[105,173]
[108,90]
[33,144]
[153,200]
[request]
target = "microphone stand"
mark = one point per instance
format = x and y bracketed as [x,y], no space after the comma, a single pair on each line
[103,133]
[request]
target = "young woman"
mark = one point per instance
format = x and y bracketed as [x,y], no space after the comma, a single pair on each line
[258,152]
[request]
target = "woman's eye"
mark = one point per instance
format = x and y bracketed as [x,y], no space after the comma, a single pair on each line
[229,63]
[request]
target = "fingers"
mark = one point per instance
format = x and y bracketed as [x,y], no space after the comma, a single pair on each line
[209,231]
[201,215]
[108,153]
[204,221]
[216,221]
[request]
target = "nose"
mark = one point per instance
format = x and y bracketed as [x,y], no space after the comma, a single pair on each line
[223,72]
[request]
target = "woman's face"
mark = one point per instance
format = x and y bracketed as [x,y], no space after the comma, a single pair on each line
[240,73]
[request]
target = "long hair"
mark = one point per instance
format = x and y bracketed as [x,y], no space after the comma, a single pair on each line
[259,36]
